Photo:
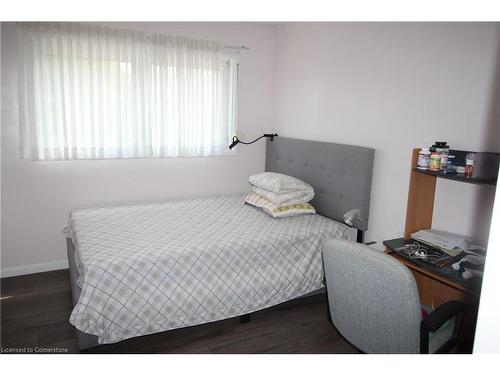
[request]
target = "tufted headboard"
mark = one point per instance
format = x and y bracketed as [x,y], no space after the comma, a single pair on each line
[341,175]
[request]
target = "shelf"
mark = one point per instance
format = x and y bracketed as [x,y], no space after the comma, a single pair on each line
[457,177]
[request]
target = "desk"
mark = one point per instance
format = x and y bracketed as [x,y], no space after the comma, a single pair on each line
[439,285]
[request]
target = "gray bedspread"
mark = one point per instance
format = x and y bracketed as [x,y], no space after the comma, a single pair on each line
[153,266]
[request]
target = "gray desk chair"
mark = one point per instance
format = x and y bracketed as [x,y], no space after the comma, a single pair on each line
[374,303]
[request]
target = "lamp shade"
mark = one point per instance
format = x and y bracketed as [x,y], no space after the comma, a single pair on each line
[353,219]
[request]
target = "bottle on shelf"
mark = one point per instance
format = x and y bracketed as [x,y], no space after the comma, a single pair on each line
[435,161]
[444,151]
[450,168]
[424,156]
[469,164]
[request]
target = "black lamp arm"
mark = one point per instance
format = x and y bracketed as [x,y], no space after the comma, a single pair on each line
[236,140]
[271,136]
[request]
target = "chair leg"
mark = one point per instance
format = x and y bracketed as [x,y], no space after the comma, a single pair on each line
[245,318]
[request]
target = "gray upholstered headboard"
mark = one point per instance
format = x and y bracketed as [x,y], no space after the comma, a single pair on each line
[341,175]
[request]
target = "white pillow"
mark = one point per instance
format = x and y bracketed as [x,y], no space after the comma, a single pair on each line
[279,183]
[283,199]
[278,211]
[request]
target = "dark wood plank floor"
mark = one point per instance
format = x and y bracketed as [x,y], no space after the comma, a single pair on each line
[35,310]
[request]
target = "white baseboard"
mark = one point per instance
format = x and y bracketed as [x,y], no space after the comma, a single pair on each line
[34,268]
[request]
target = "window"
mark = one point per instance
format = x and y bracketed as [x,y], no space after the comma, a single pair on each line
[89,92]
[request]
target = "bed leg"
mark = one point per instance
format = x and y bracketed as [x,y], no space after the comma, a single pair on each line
[245,318]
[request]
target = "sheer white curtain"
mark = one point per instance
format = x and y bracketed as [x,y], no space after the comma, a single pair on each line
[91,92]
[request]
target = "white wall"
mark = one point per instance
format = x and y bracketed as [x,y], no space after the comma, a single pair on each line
[393,87]
[37,196]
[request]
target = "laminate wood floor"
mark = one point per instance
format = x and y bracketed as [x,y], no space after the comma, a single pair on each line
[35,312]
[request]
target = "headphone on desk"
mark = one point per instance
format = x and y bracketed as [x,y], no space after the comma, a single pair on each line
[417,250]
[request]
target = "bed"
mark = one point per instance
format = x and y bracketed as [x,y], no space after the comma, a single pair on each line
[146,267]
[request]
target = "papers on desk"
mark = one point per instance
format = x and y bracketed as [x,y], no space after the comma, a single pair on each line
[452,244]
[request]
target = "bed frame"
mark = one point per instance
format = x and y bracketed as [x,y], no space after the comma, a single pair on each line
[340,174]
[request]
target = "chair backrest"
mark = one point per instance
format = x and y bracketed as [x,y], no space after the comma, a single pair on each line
[374,301]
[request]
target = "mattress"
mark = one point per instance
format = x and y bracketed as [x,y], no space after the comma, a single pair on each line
[149,267]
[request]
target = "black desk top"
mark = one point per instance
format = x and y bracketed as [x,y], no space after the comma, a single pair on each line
[446,271]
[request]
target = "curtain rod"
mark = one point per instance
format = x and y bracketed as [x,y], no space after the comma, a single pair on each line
[227,46]
[242,47]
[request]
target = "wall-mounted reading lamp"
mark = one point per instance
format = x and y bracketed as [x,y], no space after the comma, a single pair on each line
[353,219]
[236,140]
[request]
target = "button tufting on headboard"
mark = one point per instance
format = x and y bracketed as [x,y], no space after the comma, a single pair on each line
[340,174]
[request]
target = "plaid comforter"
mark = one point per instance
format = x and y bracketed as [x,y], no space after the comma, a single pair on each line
[153,266]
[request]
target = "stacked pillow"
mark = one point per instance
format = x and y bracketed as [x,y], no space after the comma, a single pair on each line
[280,195]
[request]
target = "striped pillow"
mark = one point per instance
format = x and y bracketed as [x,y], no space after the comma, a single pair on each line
[278,211]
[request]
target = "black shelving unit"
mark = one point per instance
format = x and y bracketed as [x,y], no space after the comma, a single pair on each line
[458,177]
[460,161]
